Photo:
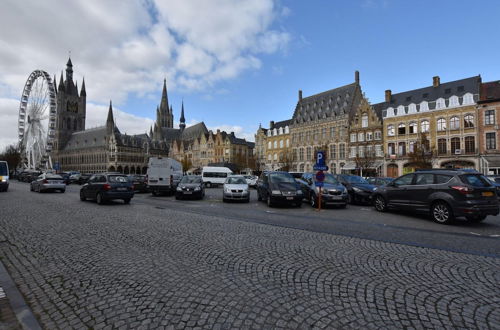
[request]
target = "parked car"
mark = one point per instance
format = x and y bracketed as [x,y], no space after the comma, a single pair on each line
[65,177]
[379,181]
[496,185]
[163,175]
[103,187]
[83,178]
[495,178]
[235,188]
[446,194]
[4,176]
[251,180]
[215,175]
[332,192]
[48,182]
[359,190]
[296,175]
[279,187]
[139,182]
[190,186]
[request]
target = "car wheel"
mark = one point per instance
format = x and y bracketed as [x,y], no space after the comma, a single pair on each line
[177,197]
[298,204]
[380,204]
[208,185]
[63,191]
[126,201]
[441,213]
[154,193]
[99,199]
[312,200]
[31,187]
[343,206]
[476,218]
[269,201]
[82,196]
[247,200]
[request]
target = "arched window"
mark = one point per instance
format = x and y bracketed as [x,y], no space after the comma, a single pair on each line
[424,126]
[281,143]
[269,145]
[401,129]
[275,144]
[390,130]
[301,154]
[470,145]
[68,123]
[469,121]
[275,157]
[402,148]
[455,145]
[442,146]
[441,124]
[412,128]
[288,143]
[309,153]
[364,120]
[454,122]
[269,157]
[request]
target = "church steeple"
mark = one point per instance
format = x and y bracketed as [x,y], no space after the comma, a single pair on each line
[182,124]
[164,107]
[69,70]
[110,121]
[83,92]
[61,83]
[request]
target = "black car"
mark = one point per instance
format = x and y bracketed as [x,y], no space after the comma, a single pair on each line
[103,187]
[279,187]
[190,186]
[65,177]
[379,181]
[359,190]
[445,194]
[139,182]
[332,192]
[83,178]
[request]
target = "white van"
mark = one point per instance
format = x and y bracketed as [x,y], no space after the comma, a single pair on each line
[4,175]
[214,175]
[163,175]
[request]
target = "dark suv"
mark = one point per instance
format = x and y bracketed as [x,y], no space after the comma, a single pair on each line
[446,194]
[332,193]
[103,187]
[279,187]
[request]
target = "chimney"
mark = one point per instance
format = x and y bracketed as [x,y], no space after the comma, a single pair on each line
[300,95]
[271,124]
[435,81]
[388,95]
[356,76]
[218,131]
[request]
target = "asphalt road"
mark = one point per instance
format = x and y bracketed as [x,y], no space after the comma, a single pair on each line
[162,263]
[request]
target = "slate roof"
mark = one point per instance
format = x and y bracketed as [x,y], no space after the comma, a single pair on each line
[282,123]
[189,133]
[90,138]
[490,92]
[431,93]
[337,101]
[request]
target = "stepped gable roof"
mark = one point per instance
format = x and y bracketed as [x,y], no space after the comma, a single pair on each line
[334,102]
[194,131]
[90,138]
[490,92]
[431,93]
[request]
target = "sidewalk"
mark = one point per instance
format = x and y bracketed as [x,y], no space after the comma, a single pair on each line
[14,312]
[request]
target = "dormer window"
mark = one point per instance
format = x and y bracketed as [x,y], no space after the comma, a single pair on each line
[440,103]
[454,101]
[468,99]
[281,130]
[390,112]
[269,133]
[412,108]
[401,110]
[287,130]
[275,132]
[424,106]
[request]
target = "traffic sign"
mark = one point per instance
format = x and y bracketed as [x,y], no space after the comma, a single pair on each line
[317,167]
[320,176]
[57,166]
[320,158]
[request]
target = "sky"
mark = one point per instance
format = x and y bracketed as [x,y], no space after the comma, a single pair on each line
[238,63]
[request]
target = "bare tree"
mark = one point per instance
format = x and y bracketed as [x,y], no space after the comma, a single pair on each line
[366,162]
[12,156]
[186,164]
[423,155]
[286,160]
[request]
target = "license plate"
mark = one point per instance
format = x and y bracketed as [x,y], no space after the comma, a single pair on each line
[336,197]
[289,198]
[188,192]
[487,193]
[121,189]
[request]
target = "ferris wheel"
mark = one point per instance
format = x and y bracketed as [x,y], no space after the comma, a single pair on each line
[37,120]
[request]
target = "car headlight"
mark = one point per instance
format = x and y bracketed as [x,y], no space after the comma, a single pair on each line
[356,189]
[227,190]
[344,192]
[374,189]
[245,192]
[197,188]
[299,192]
[276,192]
[179,189]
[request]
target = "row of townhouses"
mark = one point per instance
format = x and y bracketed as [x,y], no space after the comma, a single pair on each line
[444,125]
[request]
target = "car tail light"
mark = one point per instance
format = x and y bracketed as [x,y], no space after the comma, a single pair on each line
[462,189]
[106,187]
[171,179]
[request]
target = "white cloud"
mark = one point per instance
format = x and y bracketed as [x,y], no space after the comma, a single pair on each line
[239,131]
[126,123]
[128,47]
[9,110]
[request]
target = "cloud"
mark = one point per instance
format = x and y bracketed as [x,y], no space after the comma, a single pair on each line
[9,113]
[239,131]
[126,123]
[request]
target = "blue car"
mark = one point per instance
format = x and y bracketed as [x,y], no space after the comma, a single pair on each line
[359,190]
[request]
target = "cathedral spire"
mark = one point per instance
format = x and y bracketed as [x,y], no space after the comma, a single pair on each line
[83,92]
[61,82]
[164,113]
[182,124]
[110,122]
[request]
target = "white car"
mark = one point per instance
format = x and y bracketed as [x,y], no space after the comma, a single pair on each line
[236,188]
[251,180]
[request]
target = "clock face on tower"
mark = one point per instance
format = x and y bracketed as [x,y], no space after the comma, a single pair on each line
[72,106]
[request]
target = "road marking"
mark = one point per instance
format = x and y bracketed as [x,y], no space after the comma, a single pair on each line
[477,234]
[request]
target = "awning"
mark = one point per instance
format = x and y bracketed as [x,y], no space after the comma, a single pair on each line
[349,166]
[493,161]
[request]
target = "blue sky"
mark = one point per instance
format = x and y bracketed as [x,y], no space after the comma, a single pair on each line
[240,63]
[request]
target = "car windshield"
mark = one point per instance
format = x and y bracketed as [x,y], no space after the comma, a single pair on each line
[191,179]
[330,179]
[3,169]
[386,180]
[475,180]
[118,179]
[281,178]
[355,179]
[53,177]
[234,180]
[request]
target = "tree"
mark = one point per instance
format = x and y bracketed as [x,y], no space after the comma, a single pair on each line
[12,156]
[186,164]
[423,155]
[286,160]
[367,162]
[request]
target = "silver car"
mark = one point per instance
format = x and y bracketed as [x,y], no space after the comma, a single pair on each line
[236,188]
[47,182]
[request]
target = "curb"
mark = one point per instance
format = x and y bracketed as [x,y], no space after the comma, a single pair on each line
[22,311]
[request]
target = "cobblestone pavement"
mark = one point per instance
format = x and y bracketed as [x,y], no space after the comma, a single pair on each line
[81,265]
[7,317]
